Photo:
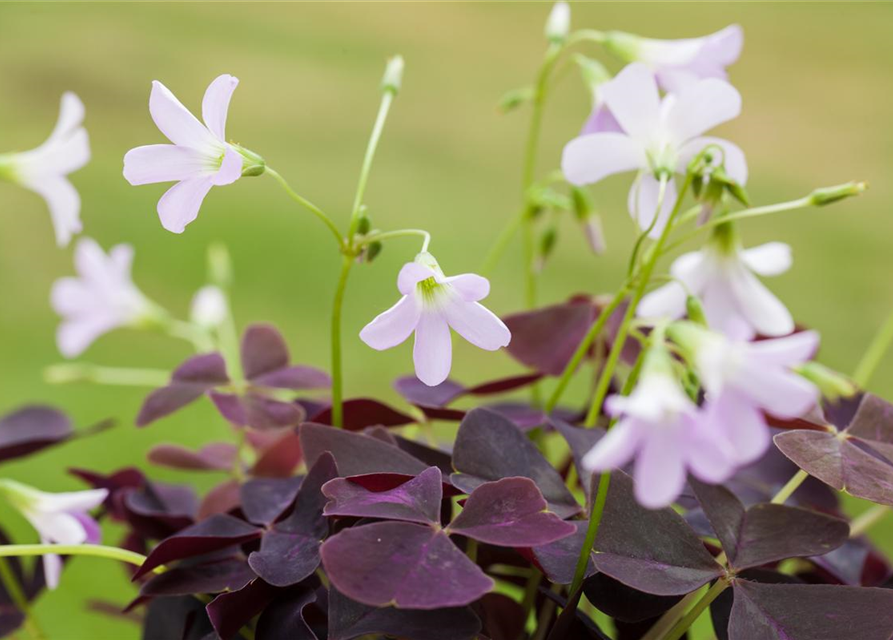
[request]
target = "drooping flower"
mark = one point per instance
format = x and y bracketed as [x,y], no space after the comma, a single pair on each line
[678,63]
[722,275]
[102,297]
[44,169]
[664,431]
[431,305]
[209,307]
[198,159]
[659,138]
[743,379]
[59,518]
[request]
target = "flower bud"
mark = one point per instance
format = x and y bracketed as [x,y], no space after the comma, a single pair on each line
[827,195]
[514,99]
[252,164]
[595,234]
[624,45]
[220,266]
[209,307]
[372,251]
[831,384]
[365,224]
[695,310]
[393,75]
[558,25]
[547,244]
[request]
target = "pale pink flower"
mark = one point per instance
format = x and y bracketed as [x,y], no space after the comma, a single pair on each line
[722,275]
[44,169]
[198,159]
[664,431]
[659,138]
[101,298]
[59,518]
[431,305]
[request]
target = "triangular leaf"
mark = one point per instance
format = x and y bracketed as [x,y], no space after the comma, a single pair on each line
[417,500]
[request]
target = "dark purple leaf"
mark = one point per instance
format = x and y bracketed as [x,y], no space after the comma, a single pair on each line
[545,339]
[189,382]
[502,617]
[580,441]
[265,499]
[767,532]
[266,362]
[217,532]
[504,385]
[31,429]
[228,574]
[625,603]
[409,565]
[216,456]
[417,500]
[157,510]
[279,457]
[176,618]
[258,411]
[355,453]
[721,608]
[439,458]
[290,551]
[511,513]
[654,551]
[489,447]
[222,498]
[558,560]
[283,619]
[118,484]
[360,413]
[231,611]
[809,612]
[350,619]
[855,563]
[418,393]
[572,624]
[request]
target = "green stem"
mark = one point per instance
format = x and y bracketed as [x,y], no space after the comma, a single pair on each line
[67,372]
[20,600]
[502,242]
[530,591]
[94,550]
[868,519]
[874,354]
[312,208]
[668,619]
[471,550]
[199,337]
[689,619]
[792,485]
[400,233]
[337,375]
[595,518]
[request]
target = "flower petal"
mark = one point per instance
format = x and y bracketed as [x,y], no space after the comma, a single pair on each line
[788,351]
[180,204]
[720,305]
[633,99]
[71,116]
[742,423]
[164,163]
[592,157]
[770,259]
[735,162]
[58,528]
[758,305]
[669,300]
[393,326]
[477,324]
[643,201]
[780,392]
[64,203]
[75,335]
[708,453]
[724,46]
[470,286]
[410,275]
[616,448]
[72,500]
[601,120]
[433,349]
[701,106]
[660,469]
[176,122]
[52,568]
[215,104]
[230,167]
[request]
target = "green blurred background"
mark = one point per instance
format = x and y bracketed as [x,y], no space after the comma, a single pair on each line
[817,98]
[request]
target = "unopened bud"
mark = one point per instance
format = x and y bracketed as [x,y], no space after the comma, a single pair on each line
[695,310]
[558,25]
[209,307]
[252,164]
[595,234]
[372,251]
[364,225]
[393,75]
[547,244]
[831,384]
[515,98]
[624,45]
[827,195]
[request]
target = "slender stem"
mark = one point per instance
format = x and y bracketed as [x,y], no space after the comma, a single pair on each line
[530,591]
[792,485]
[595,518]
[586,35]
[689,619]
[868,519]
[669,618]
[20,599]
[67,372]
[199,337]
[94,550]
[337,375]
[386,99]
[874,354]
[546,613]
[228,338]
[312,208]
[471,550]
[502,242]
[400,233]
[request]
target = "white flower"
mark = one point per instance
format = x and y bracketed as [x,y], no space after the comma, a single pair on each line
[209,307]
[44,169]
[102,297]
[559,22]
[59,518]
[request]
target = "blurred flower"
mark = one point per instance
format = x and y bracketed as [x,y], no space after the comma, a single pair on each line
[743,379]
[102,297]
[44,169]
[209,307]
[662,429]
[659,138]
[199,157]
[558,24]
[430,306]
[721,274]
[678,63]
[59,518]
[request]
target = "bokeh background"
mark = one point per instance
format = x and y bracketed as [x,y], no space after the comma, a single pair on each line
[817,99]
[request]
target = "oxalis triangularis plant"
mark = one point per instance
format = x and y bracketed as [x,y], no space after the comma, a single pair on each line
[703,473]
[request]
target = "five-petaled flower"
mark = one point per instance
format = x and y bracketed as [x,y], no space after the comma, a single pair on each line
[198,159]
[59,518]
[659,139]
[44,169]
[432,304]
[101,298]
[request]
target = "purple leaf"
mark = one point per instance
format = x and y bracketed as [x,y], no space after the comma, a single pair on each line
[189,382]
[502,617]
[266,362]
[228,574]
[222,498]
[350,619]
[216,456]
[489,447]
[580,441]
[721,608]
[356,454]
[290,551]
[409,565]
[511,513]
[231,611]
[31,429]
[217,532]
[157,510]
[118,484]
[654,551]
[258,411]
[265,499]
[558,559]
[504,385]
[766,532]
[180,617]
[809,612]
[625,603]
[545,339]
[283,619]
[360,413]
[279,457]
[856,563]
[439,458]
[418,393]
[417,500]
